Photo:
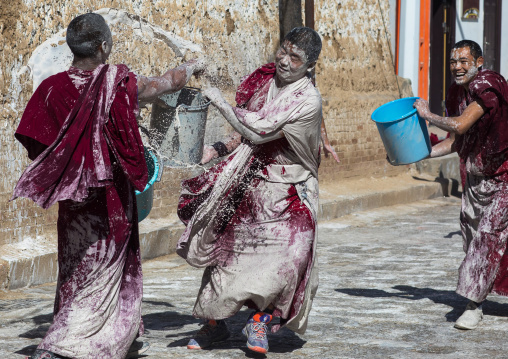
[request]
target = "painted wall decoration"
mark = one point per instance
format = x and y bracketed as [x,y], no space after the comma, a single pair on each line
[470,10]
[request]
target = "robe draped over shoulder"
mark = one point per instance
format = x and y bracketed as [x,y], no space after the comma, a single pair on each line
[254,214]
[483,152]
[80,129]
[73,134]
[486,142]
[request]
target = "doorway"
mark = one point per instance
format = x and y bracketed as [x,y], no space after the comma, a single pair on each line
[442,38]
[492,34]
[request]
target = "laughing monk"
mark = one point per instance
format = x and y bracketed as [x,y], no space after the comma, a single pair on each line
[80,130]
[477,104]
[251,219]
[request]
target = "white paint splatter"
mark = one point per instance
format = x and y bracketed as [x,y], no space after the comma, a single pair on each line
[54,56]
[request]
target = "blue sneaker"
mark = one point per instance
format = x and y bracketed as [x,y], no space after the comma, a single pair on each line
[211,332]
[255,331]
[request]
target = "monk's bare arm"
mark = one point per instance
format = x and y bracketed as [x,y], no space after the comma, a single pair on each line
[458,125]
[227,111]
[149,88]
[231,142]
[327,147]
[444,147]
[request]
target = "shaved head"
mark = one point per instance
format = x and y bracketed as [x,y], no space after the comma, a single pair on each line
[86,33]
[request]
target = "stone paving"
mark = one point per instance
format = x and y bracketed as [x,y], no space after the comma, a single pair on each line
[387,280]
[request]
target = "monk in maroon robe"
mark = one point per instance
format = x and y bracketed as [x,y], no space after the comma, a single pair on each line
[477,104]
[80,130]
[251,220]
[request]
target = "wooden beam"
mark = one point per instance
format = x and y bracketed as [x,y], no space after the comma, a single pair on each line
[309,13]
[290,16]
[397,37]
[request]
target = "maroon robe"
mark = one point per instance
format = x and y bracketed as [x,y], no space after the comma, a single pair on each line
[487,140]
[483,151]
[259,223]
[80,128]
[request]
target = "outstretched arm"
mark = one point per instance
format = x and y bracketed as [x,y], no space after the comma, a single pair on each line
[458,125]
[149,88]
[327,148]
[226,110]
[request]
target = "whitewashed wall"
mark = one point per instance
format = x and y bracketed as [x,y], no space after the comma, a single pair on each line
[504,40]
[469,30]
[409,41]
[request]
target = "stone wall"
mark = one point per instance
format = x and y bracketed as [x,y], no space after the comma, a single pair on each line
[354,75]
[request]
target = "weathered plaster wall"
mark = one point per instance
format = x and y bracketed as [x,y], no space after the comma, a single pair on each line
[354,75]
[236,36]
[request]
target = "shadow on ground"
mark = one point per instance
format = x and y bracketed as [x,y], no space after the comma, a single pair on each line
[29,350]
[284,341]
[447,297]
[449,185]
[168,320]
[42,322]
[451,234]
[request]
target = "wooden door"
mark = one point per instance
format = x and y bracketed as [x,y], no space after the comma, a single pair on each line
[492,34]
[442,38]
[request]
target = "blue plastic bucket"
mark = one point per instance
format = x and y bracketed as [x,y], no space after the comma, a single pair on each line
[403,132]
[145,199]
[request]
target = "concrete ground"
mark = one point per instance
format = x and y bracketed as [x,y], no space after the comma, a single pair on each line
[387,280]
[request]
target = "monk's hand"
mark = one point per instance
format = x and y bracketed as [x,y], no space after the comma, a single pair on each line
[213,94]
[209,153]
[329,150]
[198,66]
[422,106]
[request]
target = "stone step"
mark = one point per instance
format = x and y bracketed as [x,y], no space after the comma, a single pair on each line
[34,261]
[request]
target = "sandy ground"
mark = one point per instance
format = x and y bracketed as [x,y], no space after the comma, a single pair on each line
[387,280]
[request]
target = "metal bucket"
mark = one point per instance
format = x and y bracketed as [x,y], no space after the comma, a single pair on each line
[177,126]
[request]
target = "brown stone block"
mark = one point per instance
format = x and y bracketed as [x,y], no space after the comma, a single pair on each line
[157,202]
[28,221]
[8,215]
[31,212]
[49,231]
[167,202]
[164,212]
[5,236]
[20,273]
[4,274]
[52,214]
[10,223]
[45,269]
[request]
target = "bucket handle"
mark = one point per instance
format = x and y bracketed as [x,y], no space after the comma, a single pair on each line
[203,106]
